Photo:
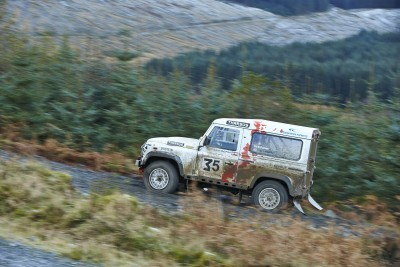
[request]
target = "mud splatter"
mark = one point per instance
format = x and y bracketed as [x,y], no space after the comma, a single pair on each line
[229,174]
[260,127]
[246,151]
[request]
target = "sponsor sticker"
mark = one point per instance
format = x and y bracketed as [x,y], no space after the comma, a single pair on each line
[173,143]
[293,132]
[238,124]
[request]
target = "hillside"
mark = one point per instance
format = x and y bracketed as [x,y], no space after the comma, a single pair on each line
[166,28]
[75,103]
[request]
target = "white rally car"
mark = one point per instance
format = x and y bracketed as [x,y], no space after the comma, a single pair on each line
[271,161]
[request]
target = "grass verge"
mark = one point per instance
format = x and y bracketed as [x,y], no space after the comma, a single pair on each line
[52,150]
[41,207]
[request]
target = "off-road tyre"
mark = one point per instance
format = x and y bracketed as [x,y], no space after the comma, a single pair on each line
[270,196]
[161,177]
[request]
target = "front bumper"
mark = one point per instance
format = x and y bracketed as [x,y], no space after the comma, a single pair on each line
[138,162]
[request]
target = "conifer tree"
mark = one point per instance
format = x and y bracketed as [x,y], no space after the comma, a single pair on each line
[212,96]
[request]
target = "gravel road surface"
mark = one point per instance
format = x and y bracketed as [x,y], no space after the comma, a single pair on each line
[13,254]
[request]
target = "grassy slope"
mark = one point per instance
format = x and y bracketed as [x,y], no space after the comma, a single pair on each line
[166,28]
[40,203]
[40,207]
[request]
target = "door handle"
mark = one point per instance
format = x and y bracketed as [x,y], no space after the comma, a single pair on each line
[229,163]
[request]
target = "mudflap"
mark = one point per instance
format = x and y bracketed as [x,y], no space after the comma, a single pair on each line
[296,203]
[314,203]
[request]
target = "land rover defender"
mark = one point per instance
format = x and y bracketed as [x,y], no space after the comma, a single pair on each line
[270,161]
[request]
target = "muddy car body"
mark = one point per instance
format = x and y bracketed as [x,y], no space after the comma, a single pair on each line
[271,161]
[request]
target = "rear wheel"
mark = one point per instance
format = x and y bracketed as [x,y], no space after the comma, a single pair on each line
[270,196]
[161,176]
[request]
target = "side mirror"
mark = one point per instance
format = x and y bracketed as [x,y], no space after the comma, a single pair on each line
[204,142]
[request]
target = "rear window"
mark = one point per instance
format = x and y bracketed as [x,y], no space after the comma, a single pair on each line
[276,146]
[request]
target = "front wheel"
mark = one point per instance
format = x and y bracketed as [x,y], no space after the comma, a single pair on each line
[270,196]
[161,176]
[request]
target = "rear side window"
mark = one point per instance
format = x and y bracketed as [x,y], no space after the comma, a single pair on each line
[276,146]
[224,138]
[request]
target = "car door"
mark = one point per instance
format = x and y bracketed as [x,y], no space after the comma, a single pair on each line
[218,158]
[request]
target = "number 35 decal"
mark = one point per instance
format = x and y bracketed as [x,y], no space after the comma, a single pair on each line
[211,164]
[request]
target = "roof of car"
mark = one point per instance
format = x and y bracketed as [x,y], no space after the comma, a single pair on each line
[272,127]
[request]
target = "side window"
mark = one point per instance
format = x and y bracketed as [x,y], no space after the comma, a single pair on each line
[225,138]
[276,146]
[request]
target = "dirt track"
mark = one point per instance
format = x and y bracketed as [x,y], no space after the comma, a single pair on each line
[86,181]
[13,254]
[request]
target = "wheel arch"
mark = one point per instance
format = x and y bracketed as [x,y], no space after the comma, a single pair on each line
[282,179]
[174,160]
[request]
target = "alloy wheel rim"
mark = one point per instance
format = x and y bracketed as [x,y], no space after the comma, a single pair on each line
[269,198]
[158,179]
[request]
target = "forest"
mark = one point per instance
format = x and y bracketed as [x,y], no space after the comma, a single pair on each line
[49,92]
[341,70]
[297,7]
